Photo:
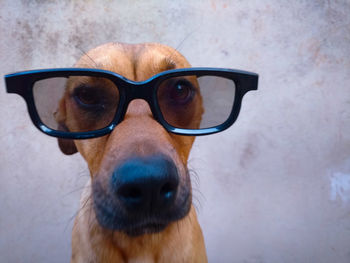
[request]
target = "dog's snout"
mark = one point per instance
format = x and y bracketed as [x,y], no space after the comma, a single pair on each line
[146,185]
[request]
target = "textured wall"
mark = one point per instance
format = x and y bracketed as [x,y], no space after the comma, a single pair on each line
[275,187]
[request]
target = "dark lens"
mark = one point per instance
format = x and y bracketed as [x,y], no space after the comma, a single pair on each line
[192,102]
[77,103]
[180,102]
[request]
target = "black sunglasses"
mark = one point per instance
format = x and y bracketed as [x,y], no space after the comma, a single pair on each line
[79,103]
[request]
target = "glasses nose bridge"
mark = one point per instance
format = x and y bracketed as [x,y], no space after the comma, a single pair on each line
[140,90]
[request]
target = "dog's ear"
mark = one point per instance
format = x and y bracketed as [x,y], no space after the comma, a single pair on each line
[67,146]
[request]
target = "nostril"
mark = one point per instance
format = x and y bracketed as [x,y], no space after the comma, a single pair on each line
[130,193]
[167,190]
[134,193]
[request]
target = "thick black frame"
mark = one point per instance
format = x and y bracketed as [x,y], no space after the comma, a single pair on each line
[22,84]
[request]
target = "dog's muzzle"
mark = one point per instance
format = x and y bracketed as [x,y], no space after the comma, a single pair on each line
[145,194]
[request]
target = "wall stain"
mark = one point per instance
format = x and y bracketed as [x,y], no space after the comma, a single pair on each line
[250,151]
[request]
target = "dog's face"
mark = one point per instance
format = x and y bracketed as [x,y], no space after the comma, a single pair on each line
[140,183]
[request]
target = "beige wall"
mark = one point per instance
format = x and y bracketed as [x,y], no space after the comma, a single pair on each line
[275,187]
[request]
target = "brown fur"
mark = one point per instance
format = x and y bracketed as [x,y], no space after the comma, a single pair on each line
[140,134]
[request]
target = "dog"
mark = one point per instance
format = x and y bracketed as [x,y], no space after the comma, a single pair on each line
[103,231]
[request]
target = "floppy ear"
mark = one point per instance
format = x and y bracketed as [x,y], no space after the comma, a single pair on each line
[67,146]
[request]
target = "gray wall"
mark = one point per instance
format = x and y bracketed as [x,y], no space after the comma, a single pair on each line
[275,187]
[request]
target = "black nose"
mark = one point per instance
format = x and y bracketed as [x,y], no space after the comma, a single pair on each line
[146,184]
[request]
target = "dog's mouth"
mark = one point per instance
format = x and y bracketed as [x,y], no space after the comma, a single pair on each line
[112,218]
[148,228]
[144,208]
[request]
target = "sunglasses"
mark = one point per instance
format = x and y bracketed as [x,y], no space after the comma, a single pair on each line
[82,103]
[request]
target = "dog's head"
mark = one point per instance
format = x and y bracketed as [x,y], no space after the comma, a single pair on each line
[140,181]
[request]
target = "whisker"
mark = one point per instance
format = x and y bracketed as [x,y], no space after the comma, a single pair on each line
[80,188]
[182,41]
[80,212]
[189,218]
[86,54]
[178,228]
[185,38]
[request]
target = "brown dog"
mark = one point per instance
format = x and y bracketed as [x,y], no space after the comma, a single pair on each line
[103,231]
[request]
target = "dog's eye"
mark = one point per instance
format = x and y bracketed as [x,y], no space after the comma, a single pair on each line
[88,97]
[181,92]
